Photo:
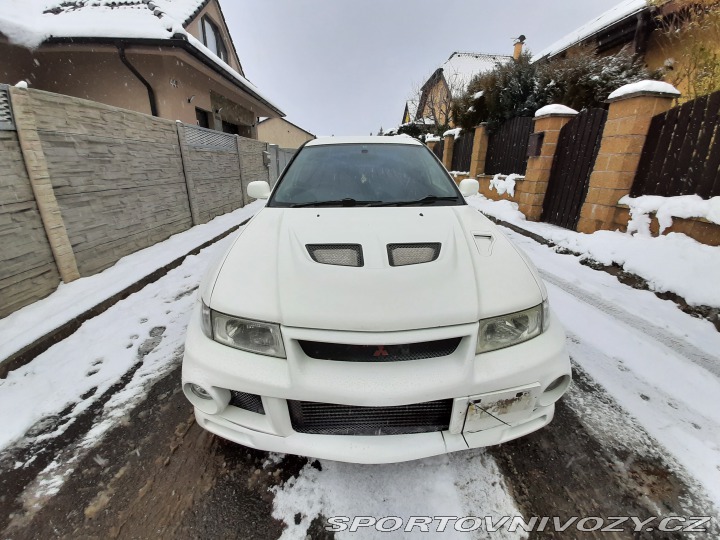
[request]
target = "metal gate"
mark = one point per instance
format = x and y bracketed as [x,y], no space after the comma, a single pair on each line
[577,149]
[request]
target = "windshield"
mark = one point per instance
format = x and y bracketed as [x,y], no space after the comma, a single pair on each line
[365,175]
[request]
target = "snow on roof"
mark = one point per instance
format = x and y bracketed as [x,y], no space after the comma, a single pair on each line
[656,87]
[622,11]
[460,68]
[554,108]
[28,23]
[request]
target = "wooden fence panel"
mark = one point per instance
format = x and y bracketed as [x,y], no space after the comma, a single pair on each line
[681,155]
[439,149]
[507,147]
[577,149]
[462,152]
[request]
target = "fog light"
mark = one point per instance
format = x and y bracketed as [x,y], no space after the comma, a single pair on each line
[199,391]
[554,390]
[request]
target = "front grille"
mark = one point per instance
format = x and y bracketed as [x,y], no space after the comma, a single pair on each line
[331,419]
[249,402]
[379,353]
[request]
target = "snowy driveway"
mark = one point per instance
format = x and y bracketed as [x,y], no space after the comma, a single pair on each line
[113,450]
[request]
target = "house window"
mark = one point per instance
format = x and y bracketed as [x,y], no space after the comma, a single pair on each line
[203,119]
[212,39]
[228,127]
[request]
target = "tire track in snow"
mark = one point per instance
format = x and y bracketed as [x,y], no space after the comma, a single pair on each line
[660,335]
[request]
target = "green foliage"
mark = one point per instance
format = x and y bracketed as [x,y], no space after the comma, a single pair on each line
[691,32]
[520,88]
[413,130]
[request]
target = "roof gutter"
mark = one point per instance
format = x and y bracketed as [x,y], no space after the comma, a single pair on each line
[138,75]
[177,41]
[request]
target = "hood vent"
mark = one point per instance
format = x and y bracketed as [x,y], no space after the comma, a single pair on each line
[405,254]
[336,254]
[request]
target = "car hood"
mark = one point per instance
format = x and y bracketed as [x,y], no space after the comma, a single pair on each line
[269,275]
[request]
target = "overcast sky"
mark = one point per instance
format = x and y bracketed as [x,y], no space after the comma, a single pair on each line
[346,67]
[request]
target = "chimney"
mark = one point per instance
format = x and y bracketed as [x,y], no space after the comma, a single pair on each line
[519,42]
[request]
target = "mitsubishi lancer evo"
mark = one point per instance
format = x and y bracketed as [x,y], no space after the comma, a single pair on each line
[368,314]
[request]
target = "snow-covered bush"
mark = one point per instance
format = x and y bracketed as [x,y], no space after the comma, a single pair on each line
[581,80]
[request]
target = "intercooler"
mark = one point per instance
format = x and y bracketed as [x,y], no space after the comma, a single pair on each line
[332,419]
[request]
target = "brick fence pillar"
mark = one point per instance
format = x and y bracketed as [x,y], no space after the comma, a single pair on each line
[532,195]
[479,151]
[449,143]
[622,142]
[34,157]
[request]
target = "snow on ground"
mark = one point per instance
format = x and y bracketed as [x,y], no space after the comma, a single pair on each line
[670,263]
[660,364]
[71,299]
[667,208]
[145,329]
[505,184]
[461,484]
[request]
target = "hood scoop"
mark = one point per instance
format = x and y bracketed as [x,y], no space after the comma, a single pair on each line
[336,254]
[406,254]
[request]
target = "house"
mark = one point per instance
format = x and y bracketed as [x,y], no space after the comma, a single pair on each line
[626,23]
[644,26]
[410,112]
[173,59]
[283,133]
[451,80]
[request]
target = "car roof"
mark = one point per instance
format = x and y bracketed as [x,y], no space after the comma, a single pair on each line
[400,139]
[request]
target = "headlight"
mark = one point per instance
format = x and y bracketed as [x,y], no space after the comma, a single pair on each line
[254,336]
[507,330]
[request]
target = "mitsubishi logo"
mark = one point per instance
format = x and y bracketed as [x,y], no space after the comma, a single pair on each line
[380,351]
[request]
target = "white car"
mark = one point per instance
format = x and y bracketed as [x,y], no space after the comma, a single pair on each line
[368,314]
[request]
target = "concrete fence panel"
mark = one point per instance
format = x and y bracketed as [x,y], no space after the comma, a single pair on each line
[211,161]
[117,177]
[84,184]
[27,265]
[254,163]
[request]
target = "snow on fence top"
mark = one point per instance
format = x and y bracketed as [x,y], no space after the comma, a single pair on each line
[554,108]
[28,23]
[667,208]
[656,87]
[454,132]
[624,10]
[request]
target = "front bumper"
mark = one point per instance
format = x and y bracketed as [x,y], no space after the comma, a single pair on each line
[495,378]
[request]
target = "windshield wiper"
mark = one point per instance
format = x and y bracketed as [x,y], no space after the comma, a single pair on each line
[338,202]
[425,200]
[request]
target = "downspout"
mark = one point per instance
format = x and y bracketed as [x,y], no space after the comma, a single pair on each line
[150,91]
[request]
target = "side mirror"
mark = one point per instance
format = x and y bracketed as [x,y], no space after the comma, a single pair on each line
[469,186]
[260,190]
